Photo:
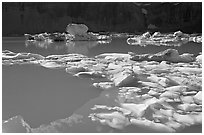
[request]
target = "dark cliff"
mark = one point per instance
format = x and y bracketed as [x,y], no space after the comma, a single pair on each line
[33,17]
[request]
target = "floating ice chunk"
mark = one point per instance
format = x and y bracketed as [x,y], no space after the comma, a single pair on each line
[178,33]
[137,109]
[189,107]
[175,125]
[186,57]
[113,66]
[91,74]
[165,82]
[104,85]
[150,67]
[197,118]
[156,34]
[166,112]
[170,94]
[15,125]
[133,89]
[160,118]
[156,127]
[124,111]
[189,93]
[178,88]
[189,70]
[52,64]
[171,55]
[114,120]
[113,55]
[199,58]
[198,97]
[75,69]
[151,84]
[187,99]
[184,119]
[153,93]
[159,71]
[16,56]
[125,78]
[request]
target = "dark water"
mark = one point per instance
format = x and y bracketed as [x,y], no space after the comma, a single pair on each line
[43,95]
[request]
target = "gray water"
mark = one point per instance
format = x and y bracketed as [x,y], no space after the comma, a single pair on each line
[42,95]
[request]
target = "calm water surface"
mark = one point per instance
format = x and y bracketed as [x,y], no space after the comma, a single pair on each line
[42,95]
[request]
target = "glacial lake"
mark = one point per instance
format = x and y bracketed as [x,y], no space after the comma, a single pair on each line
[42,95]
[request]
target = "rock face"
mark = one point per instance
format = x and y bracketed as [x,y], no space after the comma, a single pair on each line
[104,16]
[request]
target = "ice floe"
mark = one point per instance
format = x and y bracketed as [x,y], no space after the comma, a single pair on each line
[75,32]
[173,39]
[161,92]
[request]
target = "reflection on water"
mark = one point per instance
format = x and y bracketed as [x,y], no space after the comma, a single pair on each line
[81,47]
[116,45]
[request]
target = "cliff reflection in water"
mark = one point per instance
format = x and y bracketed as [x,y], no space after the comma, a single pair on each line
[81,47]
